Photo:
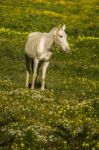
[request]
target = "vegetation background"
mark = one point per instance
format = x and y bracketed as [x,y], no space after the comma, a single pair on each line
[66,115]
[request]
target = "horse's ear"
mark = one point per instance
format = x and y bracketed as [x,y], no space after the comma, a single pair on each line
[64,27]
[59,27]
[54,30]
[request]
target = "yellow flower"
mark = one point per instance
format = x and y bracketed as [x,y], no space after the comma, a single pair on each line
[22,145]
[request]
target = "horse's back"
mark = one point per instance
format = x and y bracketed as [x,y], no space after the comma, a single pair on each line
[33,34]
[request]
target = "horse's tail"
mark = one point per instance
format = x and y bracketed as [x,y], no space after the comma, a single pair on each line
[32,64]
[27,62]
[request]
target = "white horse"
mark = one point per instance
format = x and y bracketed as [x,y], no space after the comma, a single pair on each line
[38,48]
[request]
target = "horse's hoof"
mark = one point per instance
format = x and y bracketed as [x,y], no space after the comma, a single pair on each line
[29,86]
[32,88]
[42,89]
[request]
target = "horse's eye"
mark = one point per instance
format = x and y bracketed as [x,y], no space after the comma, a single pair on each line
[60,36]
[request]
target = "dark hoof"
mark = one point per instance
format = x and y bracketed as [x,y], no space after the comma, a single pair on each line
[29,85]
[38,84]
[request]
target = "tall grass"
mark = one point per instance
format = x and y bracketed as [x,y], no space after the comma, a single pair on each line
[65,116]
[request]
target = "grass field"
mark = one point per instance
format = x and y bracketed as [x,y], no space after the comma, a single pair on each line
[66,115]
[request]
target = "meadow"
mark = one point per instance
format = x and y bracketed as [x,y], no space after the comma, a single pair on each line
[66,115]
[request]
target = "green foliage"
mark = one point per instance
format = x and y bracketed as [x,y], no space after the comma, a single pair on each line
[66,115]
[26,15]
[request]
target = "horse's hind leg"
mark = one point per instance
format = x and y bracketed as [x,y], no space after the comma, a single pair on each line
[28,61]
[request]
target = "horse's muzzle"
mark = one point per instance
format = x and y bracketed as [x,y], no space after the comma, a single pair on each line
[67,50]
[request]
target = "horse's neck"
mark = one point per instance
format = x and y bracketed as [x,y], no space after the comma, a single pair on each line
[50,40]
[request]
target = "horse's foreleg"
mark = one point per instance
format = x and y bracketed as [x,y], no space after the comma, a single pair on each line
[44,69]
[35,68]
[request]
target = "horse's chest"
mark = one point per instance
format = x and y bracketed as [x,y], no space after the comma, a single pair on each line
[46,56]
[44,49]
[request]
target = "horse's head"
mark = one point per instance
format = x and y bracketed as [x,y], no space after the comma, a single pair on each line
[60,38]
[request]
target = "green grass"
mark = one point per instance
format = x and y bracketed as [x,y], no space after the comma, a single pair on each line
[66,115]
